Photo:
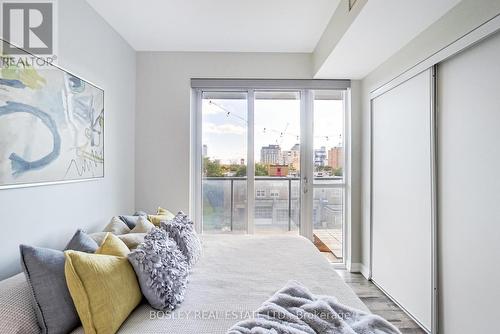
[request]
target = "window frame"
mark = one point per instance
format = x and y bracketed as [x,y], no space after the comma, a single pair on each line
[306,88]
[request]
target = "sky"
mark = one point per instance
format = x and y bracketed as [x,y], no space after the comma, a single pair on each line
[224,127]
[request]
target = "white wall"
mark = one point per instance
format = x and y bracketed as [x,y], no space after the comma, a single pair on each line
[163,113]
[49,215]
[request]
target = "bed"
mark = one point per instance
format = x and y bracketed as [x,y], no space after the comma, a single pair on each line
[236,274]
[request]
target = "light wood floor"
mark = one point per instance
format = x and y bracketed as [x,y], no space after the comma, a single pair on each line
[380,304]
[331,239]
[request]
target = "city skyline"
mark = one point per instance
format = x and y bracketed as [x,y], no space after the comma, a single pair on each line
[277,122]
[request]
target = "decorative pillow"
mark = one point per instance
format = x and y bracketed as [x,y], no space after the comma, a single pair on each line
[112,245]
[104,289]
[162,270]
[98,237]
[81,241]
[161,215]
[44,270]
[140,213]
[130,221]
[132,240]
[181,229]
[116,226]
[165,212]
[143,225]
[157,219]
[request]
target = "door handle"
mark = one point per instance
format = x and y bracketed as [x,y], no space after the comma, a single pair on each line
[305,185]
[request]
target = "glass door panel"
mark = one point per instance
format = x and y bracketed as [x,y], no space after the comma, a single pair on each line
[277,161]
[295,142]
[224,178]
[328,173]
[328,137]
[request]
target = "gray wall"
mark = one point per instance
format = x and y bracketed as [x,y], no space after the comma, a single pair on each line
[49,215]
[163,113]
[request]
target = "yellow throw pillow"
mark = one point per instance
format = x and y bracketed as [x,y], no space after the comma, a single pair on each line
[164,212]
[156,219]
[161,215]
[112,245]
[104,289]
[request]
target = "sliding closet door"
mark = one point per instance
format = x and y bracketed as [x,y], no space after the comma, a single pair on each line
[402,195]
[469,189]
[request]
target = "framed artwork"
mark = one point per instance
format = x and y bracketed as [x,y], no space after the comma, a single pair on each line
[51,126]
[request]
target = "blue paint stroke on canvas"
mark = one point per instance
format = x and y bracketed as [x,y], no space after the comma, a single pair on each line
[20,165]
[12,83]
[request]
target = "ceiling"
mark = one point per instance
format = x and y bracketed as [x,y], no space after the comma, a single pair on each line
[381,29]
[218,25]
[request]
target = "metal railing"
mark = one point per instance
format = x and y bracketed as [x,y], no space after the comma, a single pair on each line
[268,197]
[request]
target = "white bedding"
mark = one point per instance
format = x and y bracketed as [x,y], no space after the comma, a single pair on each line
[235,275]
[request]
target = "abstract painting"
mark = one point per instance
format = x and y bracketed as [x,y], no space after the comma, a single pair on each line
[51,126]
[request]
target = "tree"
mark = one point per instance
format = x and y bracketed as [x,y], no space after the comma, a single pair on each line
[337,171]
[261,170]
[242,171]
[212,168]
[324,168]
[234,167]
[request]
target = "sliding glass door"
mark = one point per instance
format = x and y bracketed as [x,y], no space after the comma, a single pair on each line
[273,162]
[328,172]
[224,154]
[277,161]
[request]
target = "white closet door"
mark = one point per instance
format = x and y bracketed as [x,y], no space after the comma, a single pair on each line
[469,189]
[402,195]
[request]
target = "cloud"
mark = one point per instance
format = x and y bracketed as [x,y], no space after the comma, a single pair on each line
[211,109]
[224,129]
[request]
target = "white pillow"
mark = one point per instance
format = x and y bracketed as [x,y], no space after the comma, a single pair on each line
[142,226]
[117,226]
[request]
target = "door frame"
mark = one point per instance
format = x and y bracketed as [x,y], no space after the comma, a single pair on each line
[305,88]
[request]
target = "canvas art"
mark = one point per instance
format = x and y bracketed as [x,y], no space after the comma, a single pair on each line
[51,126]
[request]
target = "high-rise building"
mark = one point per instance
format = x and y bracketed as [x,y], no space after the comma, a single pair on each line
[292,157]
[205,151]
[336,157]
[270,155]
[320,156]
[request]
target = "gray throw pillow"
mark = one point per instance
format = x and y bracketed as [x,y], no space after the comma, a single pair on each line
[82,242]
[140,213]
[131,221]
[161,269]
[44,270]
[181,229]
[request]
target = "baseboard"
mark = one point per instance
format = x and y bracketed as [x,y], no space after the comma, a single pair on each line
[360,268]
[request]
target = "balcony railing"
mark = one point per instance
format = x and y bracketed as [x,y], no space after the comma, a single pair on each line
[277,204]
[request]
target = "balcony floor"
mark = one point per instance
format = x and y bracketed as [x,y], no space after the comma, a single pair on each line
[329,241]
